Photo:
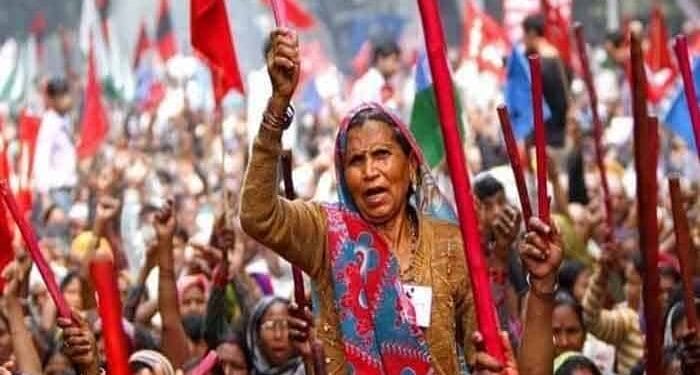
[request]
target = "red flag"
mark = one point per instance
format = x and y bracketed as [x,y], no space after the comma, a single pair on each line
[165,36]
[142,45]
[94,126]
[295,14]
[662,72]
[38,29]
[211,37]
[556,30]
[484,39]
[29,125]
[6,254]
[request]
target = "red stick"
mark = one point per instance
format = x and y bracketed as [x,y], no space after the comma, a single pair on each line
[540,138]
[686,257]
[597,128]
[206,365]
[681,48]
[33,247]
[105,281]
[279,12]
[515,162]
[481,289]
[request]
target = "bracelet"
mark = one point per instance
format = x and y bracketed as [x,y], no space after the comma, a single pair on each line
[278,122]
[542,294]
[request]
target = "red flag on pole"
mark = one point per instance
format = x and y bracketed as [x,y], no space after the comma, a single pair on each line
[6,255]
[142,45]
[556,30]
[211,37]
[294,14]
[94,126]
[662,71]
[38,29]
[165,36]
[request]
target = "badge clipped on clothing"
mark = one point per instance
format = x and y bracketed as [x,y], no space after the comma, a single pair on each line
[421,297]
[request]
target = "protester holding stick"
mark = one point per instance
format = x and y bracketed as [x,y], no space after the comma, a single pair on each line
[379,168]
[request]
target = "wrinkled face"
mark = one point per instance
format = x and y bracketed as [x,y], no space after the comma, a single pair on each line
[73,294]
[232,359]
[274,335]
[377,172]
[193,301]
[568,331]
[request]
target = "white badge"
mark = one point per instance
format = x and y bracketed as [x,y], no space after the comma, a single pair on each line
[421,298]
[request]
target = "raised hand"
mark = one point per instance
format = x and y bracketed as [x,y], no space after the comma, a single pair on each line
[283,65]
[505,229]
[79,343]
[107,209]
[484,364]
[542,251]
[300,323]
[15,274]
[165,222]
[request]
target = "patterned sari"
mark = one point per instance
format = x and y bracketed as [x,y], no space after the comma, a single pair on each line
[379,334]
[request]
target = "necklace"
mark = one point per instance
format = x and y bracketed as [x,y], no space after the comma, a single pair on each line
[405,272]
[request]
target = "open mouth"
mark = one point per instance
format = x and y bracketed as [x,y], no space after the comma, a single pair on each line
[375,195]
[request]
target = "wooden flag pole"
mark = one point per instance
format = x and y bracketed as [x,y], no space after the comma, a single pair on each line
[646,145]
[279,12]
[459,174]
[540,139]
[686,257]
[680,46]
[597,129]
[33,247]
[515,162]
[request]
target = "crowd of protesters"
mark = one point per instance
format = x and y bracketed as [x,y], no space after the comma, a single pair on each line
[162,200]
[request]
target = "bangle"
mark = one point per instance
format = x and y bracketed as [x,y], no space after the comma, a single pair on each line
[540,293]
[278,122]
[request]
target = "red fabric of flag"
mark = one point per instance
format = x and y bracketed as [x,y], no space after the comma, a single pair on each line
[29,125]
[6,252]
[484,39]
[165,35]
[94,126]
[142,45]
[658,55]
[295,14]
[556,30]
[211,37]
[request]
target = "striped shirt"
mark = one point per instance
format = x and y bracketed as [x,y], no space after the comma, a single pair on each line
[619,327]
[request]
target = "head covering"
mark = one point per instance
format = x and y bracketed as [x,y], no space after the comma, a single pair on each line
[380,335]
[82,242]
[260,364]
[427,198]
[187,281]
[152,359]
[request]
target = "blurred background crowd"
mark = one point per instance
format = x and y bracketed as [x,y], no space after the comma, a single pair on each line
[102,148]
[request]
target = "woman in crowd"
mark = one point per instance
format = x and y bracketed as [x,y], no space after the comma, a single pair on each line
[267,337]
[391,227]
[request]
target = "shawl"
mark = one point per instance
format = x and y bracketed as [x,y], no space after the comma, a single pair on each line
[376,320]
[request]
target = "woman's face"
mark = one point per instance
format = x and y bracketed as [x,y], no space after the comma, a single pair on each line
[581,284]
[232,359]
[73,294]
[5,342]
[193,301]
[274,336]
[568,330]
[377,171]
